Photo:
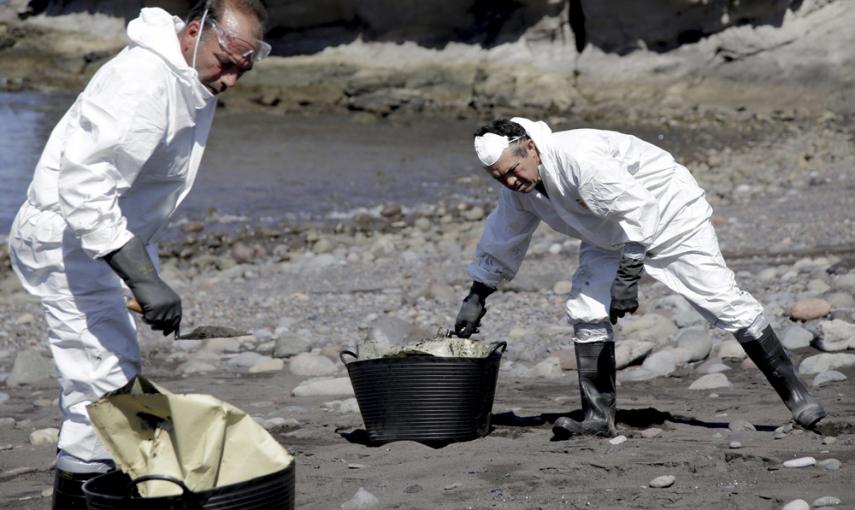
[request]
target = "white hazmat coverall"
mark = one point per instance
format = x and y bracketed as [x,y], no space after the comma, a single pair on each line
[117,165]
[611,189]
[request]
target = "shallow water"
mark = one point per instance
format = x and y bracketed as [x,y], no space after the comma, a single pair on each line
[272,167]
[266,168]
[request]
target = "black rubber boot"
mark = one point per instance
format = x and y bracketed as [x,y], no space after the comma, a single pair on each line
[768,354]
[595,362]
[68,490]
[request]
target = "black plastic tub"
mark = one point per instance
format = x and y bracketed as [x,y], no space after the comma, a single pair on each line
[116,491]
[427,399]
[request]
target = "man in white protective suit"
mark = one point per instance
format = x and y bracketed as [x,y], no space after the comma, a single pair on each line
[636,210]
[114,170]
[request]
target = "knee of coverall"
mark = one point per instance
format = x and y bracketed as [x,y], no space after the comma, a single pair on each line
[590,295]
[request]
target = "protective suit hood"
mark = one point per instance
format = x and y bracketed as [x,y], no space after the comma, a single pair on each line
[156,30]
[540,133]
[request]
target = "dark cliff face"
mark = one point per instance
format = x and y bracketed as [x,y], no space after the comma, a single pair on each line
[299,27]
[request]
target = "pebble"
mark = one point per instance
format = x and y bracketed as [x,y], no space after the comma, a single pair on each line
[7,423]
[196,367]
[660,363]
[617,440]
[796,504]
[741,425]
[731,349]
[809,309]
[651,432]
[654,327]
[246,359]
[361,500]
[46,436]
[661,482]
[824,362]
[30,368]
[696,341]
[829,440]
[827,377]
[292,344]
[710,381]
[313,365]
[323,387]
[267,364]
[826,501]
[834,335]
[562,287]
[800,462]
[413,489]
[346,406]
[628,352]
[796,337]
[4,397]
[829,464]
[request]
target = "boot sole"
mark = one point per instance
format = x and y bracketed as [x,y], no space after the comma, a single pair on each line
[809,416]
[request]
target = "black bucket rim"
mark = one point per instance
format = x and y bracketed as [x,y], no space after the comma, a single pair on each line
[493,352]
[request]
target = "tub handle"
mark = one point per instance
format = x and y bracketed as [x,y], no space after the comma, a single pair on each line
[346,352]
[162,478]
[499,345]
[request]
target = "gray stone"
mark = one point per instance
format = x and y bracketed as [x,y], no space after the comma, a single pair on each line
[796,504]
[30,368]
[313,365]
[346,406]
[651,326]
[712,367]
[800,462]
[361,501]
[826,501]
[291,344]
[562,287]
[43,437]
[651,432]
[266,364]
[710,381]
[617,440]
[731,349]
[734,445]
[840,299]
[661,482]
[829,464]
[7,423]
[635,374]
[245,359]
[688,318]
[628,352]
[825,362]
[660,363]
[324,387]
[817,286]
[196,367]
[796,337]
[835,335]
[4,397]
[740,425]
[827,377]
[697,341]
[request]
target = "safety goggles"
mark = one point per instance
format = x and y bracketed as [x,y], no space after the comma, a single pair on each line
[244,52]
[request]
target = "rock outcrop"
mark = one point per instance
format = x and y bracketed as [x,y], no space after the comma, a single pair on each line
[386,55]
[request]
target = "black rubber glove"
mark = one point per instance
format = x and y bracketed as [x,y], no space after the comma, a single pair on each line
[625,288]
[161,305]
[472,309]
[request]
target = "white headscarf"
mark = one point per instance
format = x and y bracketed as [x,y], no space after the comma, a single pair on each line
[490,146]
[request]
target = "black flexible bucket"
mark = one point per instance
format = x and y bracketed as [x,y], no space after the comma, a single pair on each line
[425,398]
[116,491]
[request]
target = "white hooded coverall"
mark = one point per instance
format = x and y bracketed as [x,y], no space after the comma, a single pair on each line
[611,189]
[117,165]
